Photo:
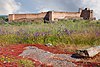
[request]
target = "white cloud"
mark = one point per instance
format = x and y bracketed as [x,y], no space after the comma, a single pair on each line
[9,6]
[93,4]
[67,5]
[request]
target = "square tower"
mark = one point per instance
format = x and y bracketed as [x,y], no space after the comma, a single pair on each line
[87,14]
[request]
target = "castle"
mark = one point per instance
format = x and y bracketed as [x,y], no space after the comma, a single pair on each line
[85,14]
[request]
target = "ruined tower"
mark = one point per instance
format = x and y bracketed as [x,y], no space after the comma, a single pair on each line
[87,14]
[80,10]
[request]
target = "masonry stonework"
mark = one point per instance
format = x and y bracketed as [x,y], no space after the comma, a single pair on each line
[85,14]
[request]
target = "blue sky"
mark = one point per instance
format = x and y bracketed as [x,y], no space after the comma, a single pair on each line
[36,6]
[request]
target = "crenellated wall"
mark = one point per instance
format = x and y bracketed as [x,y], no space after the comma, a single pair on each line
[52,15]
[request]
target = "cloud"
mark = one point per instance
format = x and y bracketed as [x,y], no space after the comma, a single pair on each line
[66,5]
[36,6]
[9,6]
[56,5]
[93,4]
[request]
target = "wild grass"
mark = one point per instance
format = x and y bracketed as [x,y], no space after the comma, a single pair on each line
[26,63]
[77,32]
[20,62]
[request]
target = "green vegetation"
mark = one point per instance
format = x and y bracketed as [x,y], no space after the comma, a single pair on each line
[3,18]
[20,62]
[73,32]
[26,63]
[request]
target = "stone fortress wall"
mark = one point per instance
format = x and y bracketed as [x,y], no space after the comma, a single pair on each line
[85,14]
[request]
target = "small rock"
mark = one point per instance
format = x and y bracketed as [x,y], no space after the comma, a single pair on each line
[49,44]
[12,50]
[5,62]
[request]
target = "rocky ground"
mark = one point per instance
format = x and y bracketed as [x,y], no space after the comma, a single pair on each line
[46,57]
[43,56]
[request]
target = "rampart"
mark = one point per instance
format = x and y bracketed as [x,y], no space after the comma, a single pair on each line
[85,14]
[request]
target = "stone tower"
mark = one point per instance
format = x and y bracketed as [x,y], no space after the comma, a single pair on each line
[87,14]
[51,17]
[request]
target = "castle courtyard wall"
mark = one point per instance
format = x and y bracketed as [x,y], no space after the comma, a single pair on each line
[52,15]
[62,15]
[13,17]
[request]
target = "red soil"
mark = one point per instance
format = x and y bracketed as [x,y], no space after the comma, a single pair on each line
[14,50]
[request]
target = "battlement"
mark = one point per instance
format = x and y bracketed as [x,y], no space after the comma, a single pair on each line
[86,14]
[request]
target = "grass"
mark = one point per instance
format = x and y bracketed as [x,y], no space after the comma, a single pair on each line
[77,32]
[26,63]
[20,62]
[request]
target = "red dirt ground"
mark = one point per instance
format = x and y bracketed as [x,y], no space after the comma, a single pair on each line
[14,50]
